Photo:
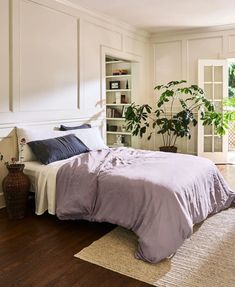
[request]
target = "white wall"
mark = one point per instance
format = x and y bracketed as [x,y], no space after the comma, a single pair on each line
[52,65]
[175,57]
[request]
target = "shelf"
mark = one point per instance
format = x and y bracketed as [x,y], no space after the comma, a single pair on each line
[120,90]
[118,104]
[115,62]
[115,119]
[124,92]
[119,133]
[118,76]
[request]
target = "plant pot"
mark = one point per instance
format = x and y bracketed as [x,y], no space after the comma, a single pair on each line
[16,190]
[168,148]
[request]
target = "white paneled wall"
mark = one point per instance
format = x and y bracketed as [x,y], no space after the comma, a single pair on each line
[53,71]
[52,65]
[175,57]
[48,59]
[202,48]
[167,61]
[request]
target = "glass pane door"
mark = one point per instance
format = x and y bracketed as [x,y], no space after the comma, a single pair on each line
[213,79]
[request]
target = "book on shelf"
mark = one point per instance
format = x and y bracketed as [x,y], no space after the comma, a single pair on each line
[113,113]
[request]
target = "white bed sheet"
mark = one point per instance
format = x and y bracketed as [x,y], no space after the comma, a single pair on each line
[43,183]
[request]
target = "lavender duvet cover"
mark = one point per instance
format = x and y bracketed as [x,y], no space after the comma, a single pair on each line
[157,195]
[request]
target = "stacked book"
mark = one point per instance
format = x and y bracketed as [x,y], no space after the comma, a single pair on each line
[113,113]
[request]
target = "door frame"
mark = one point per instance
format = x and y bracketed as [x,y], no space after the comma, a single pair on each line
[217,157]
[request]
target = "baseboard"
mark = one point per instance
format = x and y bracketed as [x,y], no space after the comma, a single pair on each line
[2,200]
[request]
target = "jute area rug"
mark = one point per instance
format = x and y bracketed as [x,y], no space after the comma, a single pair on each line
[206,259]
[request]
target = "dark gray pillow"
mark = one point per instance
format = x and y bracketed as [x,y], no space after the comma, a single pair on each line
[66,128]
[53,149]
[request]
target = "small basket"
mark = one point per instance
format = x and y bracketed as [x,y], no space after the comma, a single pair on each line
[16,190]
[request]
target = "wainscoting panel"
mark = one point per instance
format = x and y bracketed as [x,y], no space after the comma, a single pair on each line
[167,62]
[202,48]
[48,51]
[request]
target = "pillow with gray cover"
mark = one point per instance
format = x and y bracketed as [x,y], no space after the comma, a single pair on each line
[54,149]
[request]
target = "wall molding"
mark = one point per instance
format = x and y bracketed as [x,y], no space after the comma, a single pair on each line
[183,32]
[192,36]
[52,122]
[95,17]
[105,18]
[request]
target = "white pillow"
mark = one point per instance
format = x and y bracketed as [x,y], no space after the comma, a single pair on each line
[91,137]
[33,134]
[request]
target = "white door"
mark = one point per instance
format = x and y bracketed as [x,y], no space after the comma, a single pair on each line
[213,79]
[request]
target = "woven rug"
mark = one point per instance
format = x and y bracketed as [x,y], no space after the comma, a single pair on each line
[206,259]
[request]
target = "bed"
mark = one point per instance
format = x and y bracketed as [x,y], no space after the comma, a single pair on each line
[159,196]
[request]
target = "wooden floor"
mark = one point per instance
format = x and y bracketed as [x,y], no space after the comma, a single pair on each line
[38,251]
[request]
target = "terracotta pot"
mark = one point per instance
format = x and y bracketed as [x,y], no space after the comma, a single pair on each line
[168,148]
[16,190]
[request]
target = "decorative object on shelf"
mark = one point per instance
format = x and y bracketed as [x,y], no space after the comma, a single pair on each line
[118,97]
[16,186]
[124,110]
[120,72]
[123,99]
[119,141]
[123,128]
[175,125]
[114,85]
[127,84]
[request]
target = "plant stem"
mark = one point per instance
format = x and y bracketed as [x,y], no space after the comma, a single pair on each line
[175,140]
[191,108]
[163,140]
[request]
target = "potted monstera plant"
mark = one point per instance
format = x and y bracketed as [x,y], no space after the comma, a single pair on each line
[172,125]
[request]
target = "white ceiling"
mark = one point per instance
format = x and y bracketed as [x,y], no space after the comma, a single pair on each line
[165,15]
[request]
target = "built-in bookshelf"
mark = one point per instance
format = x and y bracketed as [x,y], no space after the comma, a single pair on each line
[118,98]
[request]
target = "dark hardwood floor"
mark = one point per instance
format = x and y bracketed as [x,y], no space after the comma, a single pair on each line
[38,251]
